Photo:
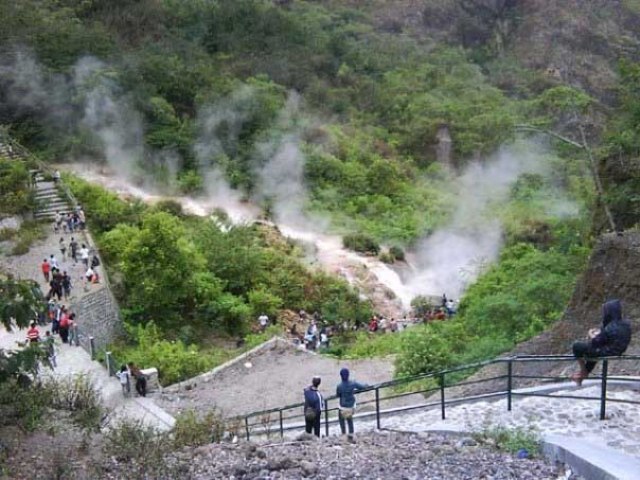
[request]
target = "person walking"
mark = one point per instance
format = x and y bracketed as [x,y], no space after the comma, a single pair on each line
[73,248]
[84,255]
[63,247]
[46,269]
[64,325]
[50,348]
[66,285]
[124,375]
[313,405]
[141,380]
[345,391]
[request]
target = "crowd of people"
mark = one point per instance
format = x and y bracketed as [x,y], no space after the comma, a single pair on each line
[70,222]
[60,321]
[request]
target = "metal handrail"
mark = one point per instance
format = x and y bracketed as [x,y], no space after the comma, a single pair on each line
[265,421]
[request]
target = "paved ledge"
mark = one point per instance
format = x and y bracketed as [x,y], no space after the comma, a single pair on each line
[164,420]
[593,462]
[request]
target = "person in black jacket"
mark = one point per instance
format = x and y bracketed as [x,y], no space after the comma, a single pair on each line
[611,340]
[313,405]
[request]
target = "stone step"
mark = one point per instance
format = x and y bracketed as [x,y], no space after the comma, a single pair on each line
[48,194]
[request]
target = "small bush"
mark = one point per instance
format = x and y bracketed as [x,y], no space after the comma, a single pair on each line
[193,430]
[361,243]
[397,253]
[79,396]
[29,233]
[141,447]
[386,257]
[169,206]
[421,305]
[512,440]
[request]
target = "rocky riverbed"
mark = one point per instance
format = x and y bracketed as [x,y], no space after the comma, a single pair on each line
[379,455]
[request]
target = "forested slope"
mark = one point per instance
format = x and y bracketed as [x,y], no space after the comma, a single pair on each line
[351,100]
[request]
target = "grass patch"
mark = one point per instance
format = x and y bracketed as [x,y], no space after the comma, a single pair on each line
[29,233]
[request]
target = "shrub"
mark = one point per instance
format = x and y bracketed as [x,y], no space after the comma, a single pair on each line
[140,447]
[79,396]
[361,243]
[174,360]
[421,304]
[397,253]
[193,430]
[386,257]
[512,439]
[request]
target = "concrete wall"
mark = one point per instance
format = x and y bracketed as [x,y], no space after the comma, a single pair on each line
[98,316]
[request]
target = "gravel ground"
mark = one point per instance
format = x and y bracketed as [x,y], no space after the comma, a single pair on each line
[382,455]
[276,378]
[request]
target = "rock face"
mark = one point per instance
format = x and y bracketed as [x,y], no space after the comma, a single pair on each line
[574,41]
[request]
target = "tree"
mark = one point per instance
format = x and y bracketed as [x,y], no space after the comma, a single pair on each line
[20,302]
[158,266]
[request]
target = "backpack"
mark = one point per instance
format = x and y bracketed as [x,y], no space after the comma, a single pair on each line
[64,321]
[310,414]
[95,261]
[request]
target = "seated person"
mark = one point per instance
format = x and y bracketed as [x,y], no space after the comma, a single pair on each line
[611,340]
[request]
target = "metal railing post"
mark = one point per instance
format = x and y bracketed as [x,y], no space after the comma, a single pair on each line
[92,347]
[246,427]
[326,418]
[107,358]
[509,383]
[442,396]
[603,391]
[281,425]
[378,408]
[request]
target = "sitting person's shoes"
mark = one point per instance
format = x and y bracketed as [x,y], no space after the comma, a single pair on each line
[578,377]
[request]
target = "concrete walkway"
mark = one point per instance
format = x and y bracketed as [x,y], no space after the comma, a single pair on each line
[73,361]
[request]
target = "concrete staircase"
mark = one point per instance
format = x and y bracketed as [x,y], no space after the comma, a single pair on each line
[49,199]
[8,151]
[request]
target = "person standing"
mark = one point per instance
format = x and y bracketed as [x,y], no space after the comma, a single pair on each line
[74,333]
[313,405]
[141,380]
[46,269]
[345,391]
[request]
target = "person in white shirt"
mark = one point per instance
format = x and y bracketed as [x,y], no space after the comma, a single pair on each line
[84,254]
[264,321]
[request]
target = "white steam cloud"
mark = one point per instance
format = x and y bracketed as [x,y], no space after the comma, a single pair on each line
[108,114]
[452,257]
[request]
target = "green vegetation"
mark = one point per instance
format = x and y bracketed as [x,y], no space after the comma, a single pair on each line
[181,280]
[365,114]
[512,440]
[15,189]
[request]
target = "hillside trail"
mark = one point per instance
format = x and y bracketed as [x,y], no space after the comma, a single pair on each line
[74,361]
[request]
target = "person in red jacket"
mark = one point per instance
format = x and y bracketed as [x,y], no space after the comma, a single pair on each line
[46,268]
